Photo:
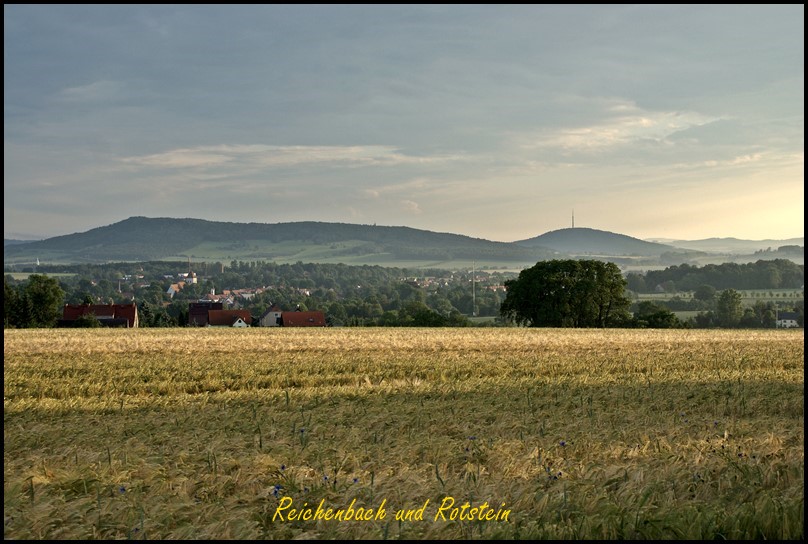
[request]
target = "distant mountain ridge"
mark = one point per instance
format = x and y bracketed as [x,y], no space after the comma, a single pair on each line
[155,239]
[732,245]
[143,239]
[586,241]
[12,242]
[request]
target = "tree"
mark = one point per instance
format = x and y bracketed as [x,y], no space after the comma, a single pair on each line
[636,282]
[567,293]
[10,304]
[46,298]
[87,321]
[655,316]
[729,308]
[704,293]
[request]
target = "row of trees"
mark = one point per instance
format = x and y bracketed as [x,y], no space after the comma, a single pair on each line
[728,311]
[35,303]
[592,294]
[558,293]
[762,274]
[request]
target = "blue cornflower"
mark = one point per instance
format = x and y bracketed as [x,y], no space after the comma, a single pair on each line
[356,480]
[283,467]
[562,443]
[122,489]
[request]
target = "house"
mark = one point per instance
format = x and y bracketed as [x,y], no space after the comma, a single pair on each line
[110,315]
[229,318]
[224,298]
[198,312]
[303,319]
[787,320]
[175,288]
[271,318]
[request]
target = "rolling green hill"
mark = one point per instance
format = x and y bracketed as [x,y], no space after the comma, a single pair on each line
[160,239]
[585,241]
[147,239]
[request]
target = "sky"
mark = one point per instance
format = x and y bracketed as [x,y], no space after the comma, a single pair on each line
[497,122]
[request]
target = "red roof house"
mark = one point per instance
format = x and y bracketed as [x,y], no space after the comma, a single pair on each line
[110,315]
[303,319]
[229,318]
[198,312]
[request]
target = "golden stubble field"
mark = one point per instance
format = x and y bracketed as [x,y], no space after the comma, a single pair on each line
[403,433]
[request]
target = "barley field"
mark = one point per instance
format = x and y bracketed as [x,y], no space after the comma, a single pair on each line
[403,434]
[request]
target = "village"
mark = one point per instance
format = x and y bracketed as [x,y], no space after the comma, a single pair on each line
[194,298]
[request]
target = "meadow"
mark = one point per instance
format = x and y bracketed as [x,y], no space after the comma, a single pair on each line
[403,434]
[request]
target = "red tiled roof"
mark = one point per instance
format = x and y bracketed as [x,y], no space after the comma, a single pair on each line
[226,318]
[303,319]
[71,312]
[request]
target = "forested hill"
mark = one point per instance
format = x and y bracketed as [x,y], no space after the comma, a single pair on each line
[160,239]
[585,241]
[146,239]
[762,274]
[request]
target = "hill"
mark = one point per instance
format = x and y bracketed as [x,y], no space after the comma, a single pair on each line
[162,239]
[148,239]
[586,241]
[734,245]
[13,242]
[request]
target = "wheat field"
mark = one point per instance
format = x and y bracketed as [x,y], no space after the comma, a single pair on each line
[403,434]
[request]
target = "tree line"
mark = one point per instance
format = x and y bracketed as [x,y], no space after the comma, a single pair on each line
[762,274]
[558,293]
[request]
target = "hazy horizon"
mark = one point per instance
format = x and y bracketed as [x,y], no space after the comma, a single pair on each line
[496,122]
[31,238]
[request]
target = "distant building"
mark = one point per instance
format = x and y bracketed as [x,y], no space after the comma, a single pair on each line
[229,318]
[787,320]
[175,288]
[109,315]
[198,312]
[303,319]
[271,318]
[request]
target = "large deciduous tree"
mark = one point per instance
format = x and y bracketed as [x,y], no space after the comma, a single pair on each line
[567,293]
[729,308]
[47,300]
[38,303]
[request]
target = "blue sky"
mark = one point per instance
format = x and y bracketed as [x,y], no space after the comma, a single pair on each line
[680,122]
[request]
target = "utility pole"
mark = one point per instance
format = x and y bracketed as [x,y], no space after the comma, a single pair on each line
[473,290]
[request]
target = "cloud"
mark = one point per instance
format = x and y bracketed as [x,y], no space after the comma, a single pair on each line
[624,124]
[98,91]
[410,207]
[181,158]
[269,156]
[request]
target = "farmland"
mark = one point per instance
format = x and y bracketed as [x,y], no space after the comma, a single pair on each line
[544,433]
